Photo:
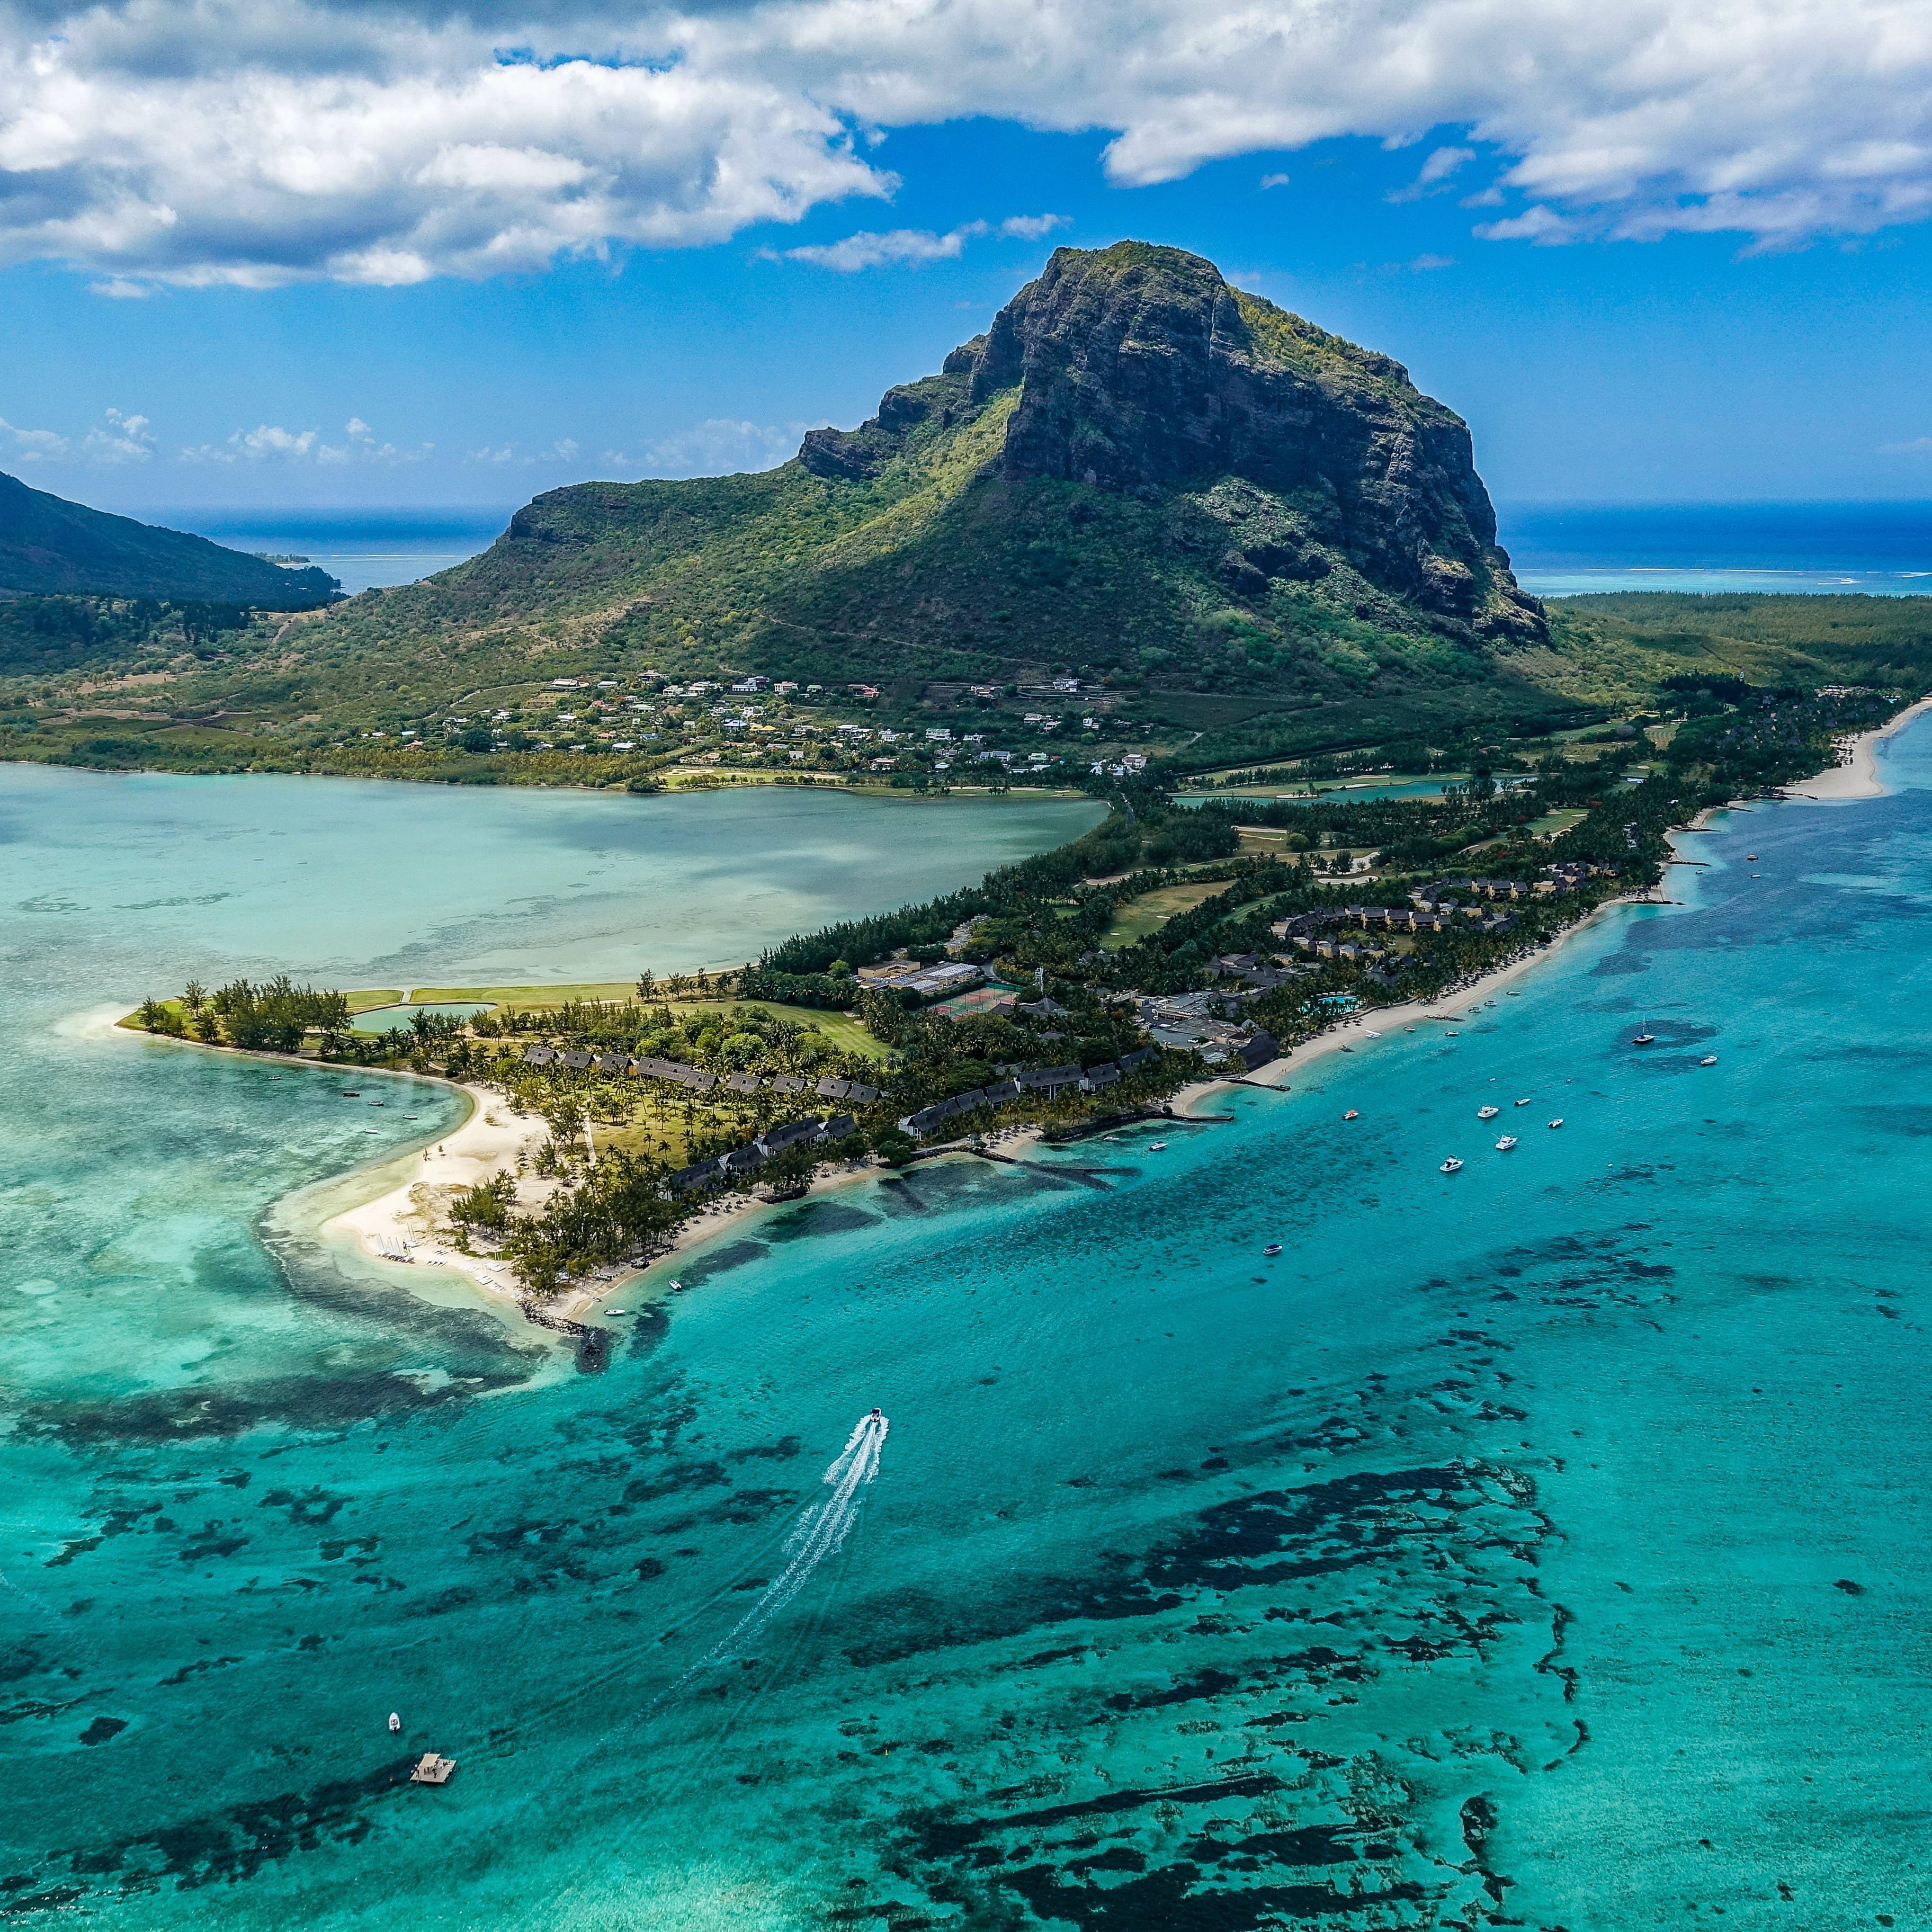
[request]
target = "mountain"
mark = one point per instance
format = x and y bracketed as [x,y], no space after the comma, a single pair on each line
[49,545]
[1255,532]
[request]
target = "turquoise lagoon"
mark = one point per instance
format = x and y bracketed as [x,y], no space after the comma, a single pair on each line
[1537,1545]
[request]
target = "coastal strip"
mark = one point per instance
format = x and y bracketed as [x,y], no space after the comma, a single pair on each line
[1856,776]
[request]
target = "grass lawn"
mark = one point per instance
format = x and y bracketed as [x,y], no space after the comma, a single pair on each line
[1552,822]
[1138,917]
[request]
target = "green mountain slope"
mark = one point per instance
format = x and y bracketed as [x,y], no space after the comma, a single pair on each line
[49,545]
[1138,473]
[1245,537]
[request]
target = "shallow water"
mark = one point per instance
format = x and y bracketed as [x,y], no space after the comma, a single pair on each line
[1536,1546]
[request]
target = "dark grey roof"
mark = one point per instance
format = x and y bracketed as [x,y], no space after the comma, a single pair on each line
[839,1125]
[831,1087]
[1258,1051]
[741,1083]
[1050,1076]
[576,1061]
[537,1056]
[859,1094]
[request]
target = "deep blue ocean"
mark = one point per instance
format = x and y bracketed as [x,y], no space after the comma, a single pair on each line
[1558,550]
[363,550]
[1882,550]
[1542,1546]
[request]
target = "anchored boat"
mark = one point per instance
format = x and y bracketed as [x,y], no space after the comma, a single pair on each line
[1451,1165]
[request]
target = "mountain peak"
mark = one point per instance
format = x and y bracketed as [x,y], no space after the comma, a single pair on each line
[1139,368]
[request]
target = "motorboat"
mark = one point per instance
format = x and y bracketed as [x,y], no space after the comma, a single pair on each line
[1709,1060]
[877,1415]
[677,1288]
[1508,1141]
[1272,1249]
[1750,858]
[1558,1122]
[1487,1113]
[1351,1114]
[395,1722]
[617,1311]
[1158,1147]
[1451,1165]
[1523,1103]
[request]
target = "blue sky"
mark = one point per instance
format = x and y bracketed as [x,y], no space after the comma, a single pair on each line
[1643,336]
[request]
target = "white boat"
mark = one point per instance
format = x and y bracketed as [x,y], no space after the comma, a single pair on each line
[1558,1122]
[1158,1147]
[1273,1248]
[617,1311]
[1508,1141]
[1522,1102]
[1451,1165]
[1487,1113]
[1709,1060]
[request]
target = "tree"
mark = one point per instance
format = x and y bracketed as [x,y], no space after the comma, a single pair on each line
[647,983]
[194,996]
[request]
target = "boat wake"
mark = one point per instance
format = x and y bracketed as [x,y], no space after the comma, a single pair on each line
[820,1530]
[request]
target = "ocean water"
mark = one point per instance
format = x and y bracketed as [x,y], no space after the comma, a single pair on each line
[1877,549]
[362,549]
[1538,1546]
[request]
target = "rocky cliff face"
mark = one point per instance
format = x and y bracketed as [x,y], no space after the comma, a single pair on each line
[1139,369]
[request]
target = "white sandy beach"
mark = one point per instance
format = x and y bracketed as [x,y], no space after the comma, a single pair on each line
[1857,775]
[404,1223]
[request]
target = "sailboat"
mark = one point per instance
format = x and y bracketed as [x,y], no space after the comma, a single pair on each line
[1646,1037]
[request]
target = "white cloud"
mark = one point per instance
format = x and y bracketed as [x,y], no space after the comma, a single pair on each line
[720,447]
[1919,445]
[33,446]
[911,247]
[1032,227]
[1424,263]
[269,443]
[259,142]
[127,439]
[564,450]
[897,248]
[1274,181]
[1435,172]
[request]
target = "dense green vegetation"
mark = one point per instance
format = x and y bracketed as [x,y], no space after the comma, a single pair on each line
[1288,943]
